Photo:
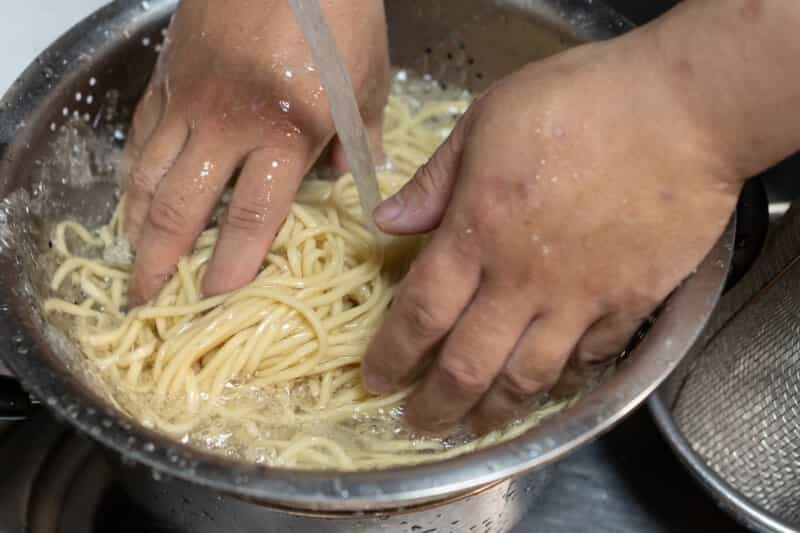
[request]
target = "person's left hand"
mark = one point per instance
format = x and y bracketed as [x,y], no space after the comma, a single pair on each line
[561,222]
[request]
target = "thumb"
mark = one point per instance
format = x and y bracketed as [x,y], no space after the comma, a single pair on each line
[420,205]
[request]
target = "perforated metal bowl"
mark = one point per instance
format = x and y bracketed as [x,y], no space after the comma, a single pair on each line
[468,42]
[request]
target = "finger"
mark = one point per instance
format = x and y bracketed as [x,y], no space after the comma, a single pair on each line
[154,161]
[473,354]
[436,290]
[259,205]
[145,119]
[607,338]
[420,205]
[533,368]
[181,207]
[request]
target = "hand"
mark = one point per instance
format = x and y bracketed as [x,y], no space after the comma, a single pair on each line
[235,89]
[569,201]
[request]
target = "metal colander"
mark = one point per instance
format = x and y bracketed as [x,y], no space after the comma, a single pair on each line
[732,408]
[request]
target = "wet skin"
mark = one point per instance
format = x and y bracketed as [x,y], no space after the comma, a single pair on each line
[569,201]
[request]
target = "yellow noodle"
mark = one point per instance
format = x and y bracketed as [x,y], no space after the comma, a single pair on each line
[270,372]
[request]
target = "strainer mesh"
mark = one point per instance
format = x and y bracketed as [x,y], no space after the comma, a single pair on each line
[738,401]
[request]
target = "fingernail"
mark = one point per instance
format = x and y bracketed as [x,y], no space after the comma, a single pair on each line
[376,384]
[389,209]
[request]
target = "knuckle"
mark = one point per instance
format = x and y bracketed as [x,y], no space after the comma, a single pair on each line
[591,355]
[166,217]
[465,376]
[141,182]
[523,386]
[248,217]
[422,318]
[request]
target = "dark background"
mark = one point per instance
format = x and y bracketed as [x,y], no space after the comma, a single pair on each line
[640,11]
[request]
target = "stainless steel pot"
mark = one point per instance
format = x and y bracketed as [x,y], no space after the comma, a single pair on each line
[467,42]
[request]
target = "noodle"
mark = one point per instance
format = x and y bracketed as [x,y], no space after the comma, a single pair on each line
[270,372]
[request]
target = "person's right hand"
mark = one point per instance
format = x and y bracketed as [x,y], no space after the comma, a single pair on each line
[235,88]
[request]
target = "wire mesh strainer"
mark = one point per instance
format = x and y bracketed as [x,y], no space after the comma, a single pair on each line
[732,408]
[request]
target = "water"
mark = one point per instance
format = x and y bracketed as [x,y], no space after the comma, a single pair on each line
[344,109]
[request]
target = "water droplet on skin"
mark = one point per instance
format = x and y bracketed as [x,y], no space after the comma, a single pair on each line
[206,170]
[285,105]
[288,74]
[274,164]
[545,249]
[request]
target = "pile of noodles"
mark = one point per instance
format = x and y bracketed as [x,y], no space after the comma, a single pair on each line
[268,373]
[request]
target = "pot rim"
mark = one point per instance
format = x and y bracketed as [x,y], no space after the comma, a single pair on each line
[670,337]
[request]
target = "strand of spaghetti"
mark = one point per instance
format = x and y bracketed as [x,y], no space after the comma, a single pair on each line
[60,240]
[172,311]
[62,306]
[74,263]
[302,443]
